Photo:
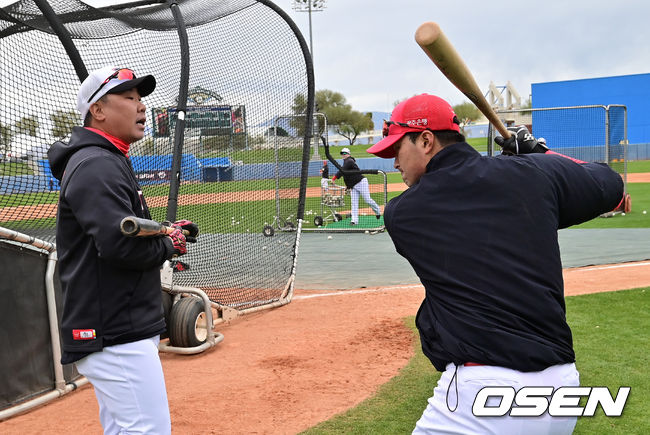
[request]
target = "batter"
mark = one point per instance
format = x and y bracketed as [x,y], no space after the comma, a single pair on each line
[481,234]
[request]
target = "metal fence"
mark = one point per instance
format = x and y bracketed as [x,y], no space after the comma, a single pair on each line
[592,133]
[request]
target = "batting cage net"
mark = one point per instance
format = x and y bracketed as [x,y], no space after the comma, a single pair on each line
[589,133]
[231,68]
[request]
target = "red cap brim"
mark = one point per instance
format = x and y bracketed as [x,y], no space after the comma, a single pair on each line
[384,148]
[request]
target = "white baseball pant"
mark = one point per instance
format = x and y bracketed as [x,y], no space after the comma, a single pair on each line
[459,394]
[130,388]
[362,189]
[324,183]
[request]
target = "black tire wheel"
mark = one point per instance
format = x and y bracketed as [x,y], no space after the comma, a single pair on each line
[167,302]
[268,231]
[338,217]
[188,323]
[318,221]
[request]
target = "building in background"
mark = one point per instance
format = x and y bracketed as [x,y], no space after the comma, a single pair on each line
[632,91]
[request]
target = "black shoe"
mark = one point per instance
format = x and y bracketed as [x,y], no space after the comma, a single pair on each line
[377,216]
[353,223]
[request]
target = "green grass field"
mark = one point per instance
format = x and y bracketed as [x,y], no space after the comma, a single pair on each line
[258,212]
[610,332]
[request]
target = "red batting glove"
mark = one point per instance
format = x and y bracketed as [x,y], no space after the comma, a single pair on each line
[189,226]
[178,241]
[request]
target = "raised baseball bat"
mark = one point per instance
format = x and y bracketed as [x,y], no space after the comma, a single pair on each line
[133,226]
[435,44]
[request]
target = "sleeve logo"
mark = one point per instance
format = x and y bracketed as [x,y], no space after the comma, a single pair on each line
[83,334]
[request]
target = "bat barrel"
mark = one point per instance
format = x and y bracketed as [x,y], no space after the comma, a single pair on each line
[435,44]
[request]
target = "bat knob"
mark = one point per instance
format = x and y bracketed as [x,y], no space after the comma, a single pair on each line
[129,227]
[427,33]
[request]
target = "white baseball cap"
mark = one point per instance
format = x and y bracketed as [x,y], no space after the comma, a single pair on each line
[111,80]
[345,151]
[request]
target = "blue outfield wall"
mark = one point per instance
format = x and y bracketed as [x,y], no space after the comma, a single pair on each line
[385,165]
[193,169]
[10,185]
[632,91]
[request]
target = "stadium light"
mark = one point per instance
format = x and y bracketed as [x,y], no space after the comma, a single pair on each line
[309,6]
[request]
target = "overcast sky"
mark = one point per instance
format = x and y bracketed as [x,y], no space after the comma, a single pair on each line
[366,50]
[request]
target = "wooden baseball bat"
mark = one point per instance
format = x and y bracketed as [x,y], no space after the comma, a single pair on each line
[133,226]
[435,44]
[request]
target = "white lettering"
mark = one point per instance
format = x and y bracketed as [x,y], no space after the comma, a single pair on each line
[480,408]
[531,401]
[565,401]
[534,401]
[611,407]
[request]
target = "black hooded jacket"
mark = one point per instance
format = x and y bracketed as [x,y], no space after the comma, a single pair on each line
[111,283]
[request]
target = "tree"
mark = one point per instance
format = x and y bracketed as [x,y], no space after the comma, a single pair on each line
[5,138]
[466,112]
[340,116]
[27,125]
[63,121]
[355,124]
[299,107]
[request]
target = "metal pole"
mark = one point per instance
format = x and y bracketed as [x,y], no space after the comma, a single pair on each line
[179,133]
[311,47]
[607,135]
[59,378]
[276,174]
[309,113]
[625,144]
[315,155]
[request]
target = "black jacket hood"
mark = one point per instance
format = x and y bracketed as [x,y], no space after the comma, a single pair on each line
[60,152]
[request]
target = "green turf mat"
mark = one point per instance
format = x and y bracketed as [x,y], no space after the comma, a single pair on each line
[365,222]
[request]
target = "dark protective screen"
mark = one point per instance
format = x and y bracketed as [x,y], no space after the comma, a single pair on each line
[238,182]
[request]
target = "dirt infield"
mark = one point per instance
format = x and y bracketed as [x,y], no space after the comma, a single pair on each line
[284,370]
[639,177]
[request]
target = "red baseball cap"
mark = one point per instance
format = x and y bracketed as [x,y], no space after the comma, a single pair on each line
[419,113]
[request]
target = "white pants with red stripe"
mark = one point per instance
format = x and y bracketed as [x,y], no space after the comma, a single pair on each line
[450,409]
[362,189]
[130,388]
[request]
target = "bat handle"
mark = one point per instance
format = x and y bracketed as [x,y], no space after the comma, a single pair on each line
[503,130]
[170,229]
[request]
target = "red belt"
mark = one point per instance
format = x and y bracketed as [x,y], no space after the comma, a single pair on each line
[472,364]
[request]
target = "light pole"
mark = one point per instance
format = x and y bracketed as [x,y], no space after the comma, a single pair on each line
[310,6]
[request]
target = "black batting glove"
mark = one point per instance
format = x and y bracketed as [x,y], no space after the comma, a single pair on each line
[520,142]
[189,226]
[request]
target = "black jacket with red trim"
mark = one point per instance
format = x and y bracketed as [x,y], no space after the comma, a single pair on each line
[481,234]
[111,283]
